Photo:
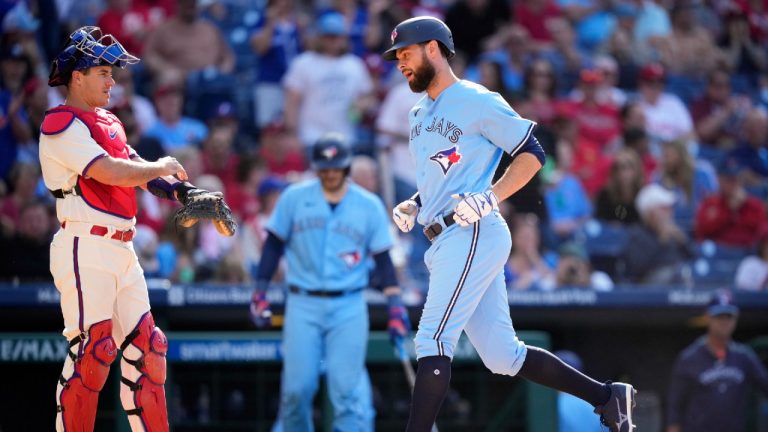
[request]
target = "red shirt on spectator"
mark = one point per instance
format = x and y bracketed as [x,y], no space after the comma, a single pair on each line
[715,220]
[534,14]
[132,25]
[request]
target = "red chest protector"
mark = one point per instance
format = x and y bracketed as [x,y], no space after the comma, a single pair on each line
[108,132]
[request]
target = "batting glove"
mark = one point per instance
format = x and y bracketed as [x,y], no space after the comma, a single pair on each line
[399,324]
[260,312]
[404,215]
[474,206]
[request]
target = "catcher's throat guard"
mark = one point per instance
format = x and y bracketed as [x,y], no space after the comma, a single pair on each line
[88,47]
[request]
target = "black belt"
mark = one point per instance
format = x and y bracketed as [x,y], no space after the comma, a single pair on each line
[322,293]
[61,193]
[434,230]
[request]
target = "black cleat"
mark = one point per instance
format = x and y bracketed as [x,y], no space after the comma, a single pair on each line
[617,412]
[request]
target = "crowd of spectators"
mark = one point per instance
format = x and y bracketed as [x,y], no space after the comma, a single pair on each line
[653,113]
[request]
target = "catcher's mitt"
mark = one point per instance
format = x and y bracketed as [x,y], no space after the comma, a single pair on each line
[202,204]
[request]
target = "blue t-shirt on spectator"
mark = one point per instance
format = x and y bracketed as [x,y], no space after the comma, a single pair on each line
[593,29]
[186,132]
[286,45]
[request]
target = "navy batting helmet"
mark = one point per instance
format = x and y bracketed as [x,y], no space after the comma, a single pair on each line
[331,151]
[88,47]
[417,30]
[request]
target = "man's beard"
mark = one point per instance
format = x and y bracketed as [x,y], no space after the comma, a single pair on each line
[423,76]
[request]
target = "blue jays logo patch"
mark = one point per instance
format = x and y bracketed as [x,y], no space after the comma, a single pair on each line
[351,259]
[447,158]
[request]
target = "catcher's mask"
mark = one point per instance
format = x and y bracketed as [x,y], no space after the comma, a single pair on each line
[331,151]
[88,47]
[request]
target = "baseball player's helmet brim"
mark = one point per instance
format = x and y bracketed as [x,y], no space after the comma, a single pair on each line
[341,163]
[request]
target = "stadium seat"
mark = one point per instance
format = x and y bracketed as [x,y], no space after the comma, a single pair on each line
[715,265]
[604,242]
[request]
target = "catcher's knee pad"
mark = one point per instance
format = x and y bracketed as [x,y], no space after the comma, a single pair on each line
[148,391]
[79,396]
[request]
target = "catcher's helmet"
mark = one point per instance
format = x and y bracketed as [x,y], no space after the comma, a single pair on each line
[331,152]
[417,30]
[88,47]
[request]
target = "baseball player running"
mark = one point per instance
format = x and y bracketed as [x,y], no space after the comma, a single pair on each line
[91,170]
[328,228]
[458,133]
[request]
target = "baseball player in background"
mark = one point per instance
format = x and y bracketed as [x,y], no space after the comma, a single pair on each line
[88,166]
[328,228]
[459,131]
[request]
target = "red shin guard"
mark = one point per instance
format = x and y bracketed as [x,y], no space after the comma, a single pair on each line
[80,394]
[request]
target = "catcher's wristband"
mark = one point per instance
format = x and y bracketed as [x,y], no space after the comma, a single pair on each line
[182,190]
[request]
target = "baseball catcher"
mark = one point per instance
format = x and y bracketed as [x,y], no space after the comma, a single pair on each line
[93,172]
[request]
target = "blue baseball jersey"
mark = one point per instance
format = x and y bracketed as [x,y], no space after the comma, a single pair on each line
[329,248]
[457,141]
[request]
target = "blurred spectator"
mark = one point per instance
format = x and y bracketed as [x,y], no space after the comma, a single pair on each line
[149,148]
[689,179]
[730,217]
[564,53]
[324,88]
[537,17]
[527,269]
[689,51]
[276,41]
[15,69]
[751,151]
[607,91]
[597,119]
[218,155]
[187,43]
[130,22]
[145,243]
[616,201]
[742,51]
[666,116]
[281,151]
[252,234]
[539,91]
[718,115]
[393,132]
[657,249]
[230,270]
[364,171]
[652,24]
[355,14]
[473,22]
[23,184]
[383,16]
[589,164]
[568,206]
[27,257]
[574,414]
[624,46]
[34,97]
[174,130]
[124,93]
[574,270]
[636,139]
[752,273]
[593,19]
[713,378]
[490,73]
[513,53]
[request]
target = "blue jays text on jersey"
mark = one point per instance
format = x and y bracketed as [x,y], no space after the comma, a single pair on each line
[457,141]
